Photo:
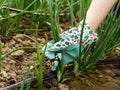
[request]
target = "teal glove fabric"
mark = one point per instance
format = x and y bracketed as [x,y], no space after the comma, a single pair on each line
[69,54]
[68,46]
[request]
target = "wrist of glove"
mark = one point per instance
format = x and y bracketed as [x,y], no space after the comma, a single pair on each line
[72,36]
[69,44]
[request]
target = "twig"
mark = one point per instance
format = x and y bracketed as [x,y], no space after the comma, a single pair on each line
[18,10]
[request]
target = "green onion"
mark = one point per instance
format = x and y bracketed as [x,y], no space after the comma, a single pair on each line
[0,54]
[39,70]
[25,78]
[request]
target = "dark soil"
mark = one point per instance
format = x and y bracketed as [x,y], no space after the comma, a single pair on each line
[106,77]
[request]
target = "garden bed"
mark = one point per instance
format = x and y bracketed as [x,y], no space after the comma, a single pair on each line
[14,66]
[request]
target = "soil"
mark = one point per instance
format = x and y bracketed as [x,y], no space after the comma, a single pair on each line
[15,65]
[106,77]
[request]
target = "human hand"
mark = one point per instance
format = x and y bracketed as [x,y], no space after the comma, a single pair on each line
[69,44]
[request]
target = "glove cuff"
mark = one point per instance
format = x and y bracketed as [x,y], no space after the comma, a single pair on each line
[89,36]
[74,37]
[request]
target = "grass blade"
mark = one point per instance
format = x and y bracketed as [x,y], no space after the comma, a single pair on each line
[0,54]
[25,78]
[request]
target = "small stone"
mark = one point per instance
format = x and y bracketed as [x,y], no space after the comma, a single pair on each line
[100,76]
[4,74]
[63,87]
[2,84]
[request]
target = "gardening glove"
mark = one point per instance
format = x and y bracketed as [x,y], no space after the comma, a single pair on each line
[69,44]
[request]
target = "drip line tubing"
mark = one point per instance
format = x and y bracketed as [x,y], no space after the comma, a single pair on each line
[53,74]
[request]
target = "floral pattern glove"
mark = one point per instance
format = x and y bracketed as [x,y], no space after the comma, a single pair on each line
[69,44]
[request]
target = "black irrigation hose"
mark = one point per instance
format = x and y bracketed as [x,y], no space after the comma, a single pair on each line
[109,61]
[53,74]
[34,80]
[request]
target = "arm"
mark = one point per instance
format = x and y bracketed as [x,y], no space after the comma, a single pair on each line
[69,42]
[97,11]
